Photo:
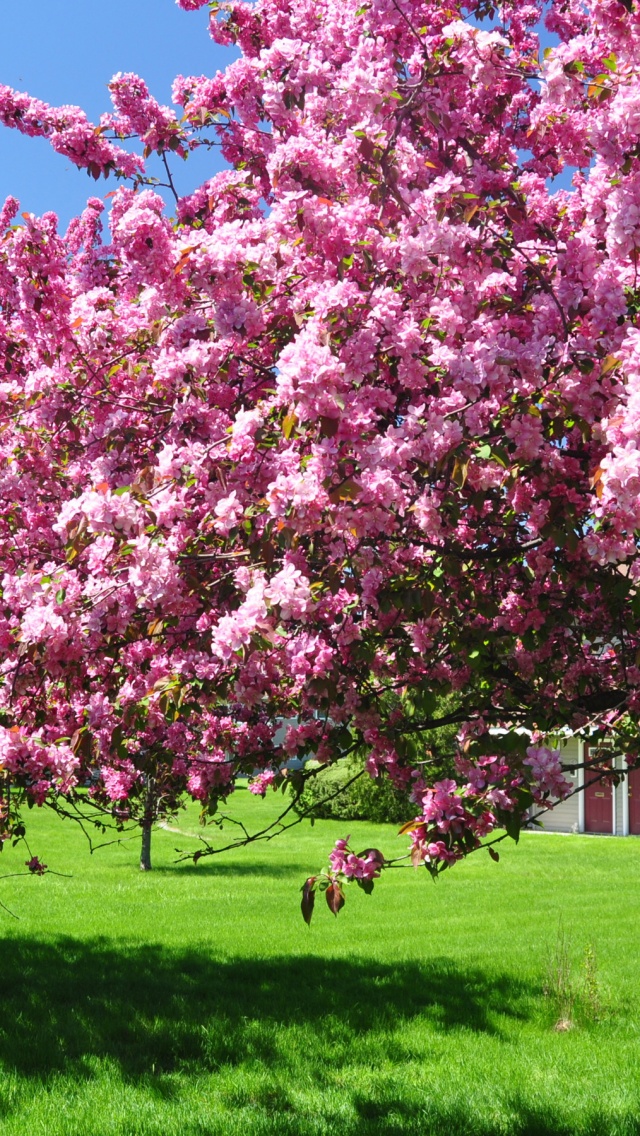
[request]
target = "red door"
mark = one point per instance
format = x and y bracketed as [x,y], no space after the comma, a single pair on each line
[634,802]
[598,802]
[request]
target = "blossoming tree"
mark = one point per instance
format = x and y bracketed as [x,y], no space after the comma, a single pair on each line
[355,429]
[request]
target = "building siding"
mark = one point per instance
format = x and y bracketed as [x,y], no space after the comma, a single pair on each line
[569,815]
[566,817]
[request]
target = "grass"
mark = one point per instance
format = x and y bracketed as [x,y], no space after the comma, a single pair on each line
[193,1001]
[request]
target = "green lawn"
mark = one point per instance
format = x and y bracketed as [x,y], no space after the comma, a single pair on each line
[194,1001]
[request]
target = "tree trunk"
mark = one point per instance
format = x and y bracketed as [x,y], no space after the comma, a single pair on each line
[147,825]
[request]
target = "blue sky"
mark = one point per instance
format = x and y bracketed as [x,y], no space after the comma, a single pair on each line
[66,51]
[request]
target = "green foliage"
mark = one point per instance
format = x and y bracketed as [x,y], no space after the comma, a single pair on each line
[345,791]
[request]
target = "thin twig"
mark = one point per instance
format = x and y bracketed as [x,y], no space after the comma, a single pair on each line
[170,177]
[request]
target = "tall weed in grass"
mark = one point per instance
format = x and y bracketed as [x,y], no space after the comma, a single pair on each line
[575,989]
[559,984]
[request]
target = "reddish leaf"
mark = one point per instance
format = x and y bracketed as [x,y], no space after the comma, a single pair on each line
[516,214]
[348,490]
[596,477]
[308,899]
[609,364]
[329,426]
[596,482]
[335,897]
[494,855]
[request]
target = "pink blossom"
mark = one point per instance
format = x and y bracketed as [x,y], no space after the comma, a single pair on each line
[209,771]
[228,512]
[365,867]
[289,588]
[118,780]
[262,782]
[546,773]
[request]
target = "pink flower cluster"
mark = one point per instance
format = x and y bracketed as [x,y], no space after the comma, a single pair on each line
[42,769]
[69,131]
[119,779]
[209,773]
[262,782]
[547,778]
[367,866]
[137,112]
[443,808]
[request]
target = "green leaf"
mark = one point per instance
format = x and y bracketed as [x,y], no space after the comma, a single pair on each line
[459,474]
[289,422]
[420,704]
[512,826]
[585,366]
[366,885]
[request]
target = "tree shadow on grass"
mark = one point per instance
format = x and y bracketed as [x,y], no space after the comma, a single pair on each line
[144,1006]
[394,1116]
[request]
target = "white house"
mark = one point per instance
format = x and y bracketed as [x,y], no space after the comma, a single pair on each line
[614,810]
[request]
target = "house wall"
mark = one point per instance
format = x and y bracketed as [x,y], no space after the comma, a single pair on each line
[567,816]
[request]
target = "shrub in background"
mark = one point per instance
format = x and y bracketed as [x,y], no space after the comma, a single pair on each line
[345,791]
